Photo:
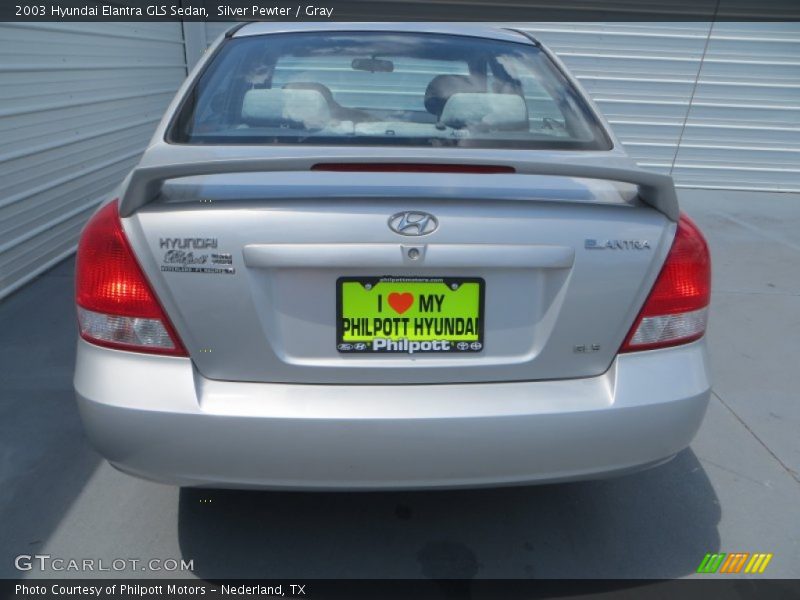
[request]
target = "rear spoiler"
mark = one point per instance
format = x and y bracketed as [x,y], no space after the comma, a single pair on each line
[144,183]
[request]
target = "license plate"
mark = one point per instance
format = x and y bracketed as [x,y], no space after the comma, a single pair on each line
[409,315]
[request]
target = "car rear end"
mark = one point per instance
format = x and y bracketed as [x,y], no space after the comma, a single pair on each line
[363,259]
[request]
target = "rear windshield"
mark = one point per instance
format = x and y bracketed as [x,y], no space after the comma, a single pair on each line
[361,88]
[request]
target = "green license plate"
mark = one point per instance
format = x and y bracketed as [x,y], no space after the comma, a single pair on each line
[409,314]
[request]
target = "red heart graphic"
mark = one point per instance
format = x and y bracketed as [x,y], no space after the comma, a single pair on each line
[400,302]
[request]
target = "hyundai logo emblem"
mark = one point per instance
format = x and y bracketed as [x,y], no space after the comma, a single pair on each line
[413,222]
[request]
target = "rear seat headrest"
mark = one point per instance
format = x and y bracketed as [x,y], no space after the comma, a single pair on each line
[311,85]
[507,112]
[276,107]
[442,87]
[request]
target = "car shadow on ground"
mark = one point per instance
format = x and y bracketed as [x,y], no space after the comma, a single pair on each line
[654,524]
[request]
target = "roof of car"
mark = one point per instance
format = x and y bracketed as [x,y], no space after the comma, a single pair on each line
[468,29]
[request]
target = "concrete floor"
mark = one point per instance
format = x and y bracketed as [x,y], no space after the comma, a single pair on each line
[736,489]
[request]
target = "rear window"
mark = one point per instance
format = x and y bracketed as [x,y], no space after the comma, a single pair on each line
[361,88]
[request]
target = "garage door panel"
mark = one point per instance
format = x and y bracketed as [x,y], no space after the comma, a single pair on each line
[78,103]
[742,128]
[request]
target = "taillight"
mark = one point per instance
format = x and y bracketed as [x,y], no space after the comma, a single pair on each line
[116,305]
[676,310]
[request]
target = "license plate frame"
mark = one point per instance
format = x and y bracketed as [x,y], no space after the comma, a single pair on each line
[462,332]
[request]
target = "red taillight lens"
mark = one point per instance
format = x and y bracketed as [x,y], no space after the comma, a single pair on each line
[116,305]
[676,310]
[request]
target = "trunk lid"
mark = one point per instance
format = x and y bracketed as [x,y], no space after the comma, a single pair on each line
[247,267]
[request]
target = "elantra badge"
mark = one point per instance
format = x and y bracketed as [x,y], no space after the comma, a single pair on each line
[592,244]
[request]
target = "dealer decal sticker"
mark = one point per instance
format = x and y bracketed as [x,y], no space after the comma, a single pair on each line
[195,255]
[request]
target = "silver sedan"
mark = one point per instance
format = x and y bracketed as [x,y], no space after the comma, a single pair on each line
[360,256]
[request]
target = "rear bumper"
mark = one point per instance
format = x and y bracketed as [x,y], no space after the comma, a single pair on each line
[155,417]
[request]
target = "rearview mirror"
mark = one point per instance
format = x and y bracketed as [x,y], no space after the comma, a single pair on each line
[373,65]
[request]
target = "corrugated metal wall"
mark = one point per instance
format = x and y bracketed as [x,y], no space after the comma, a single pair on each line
[78,103]
[738,128]
[715,106]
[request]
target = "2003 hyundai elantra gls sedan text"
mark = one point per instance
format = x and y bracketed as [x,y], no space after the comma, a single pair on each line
[388,256]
